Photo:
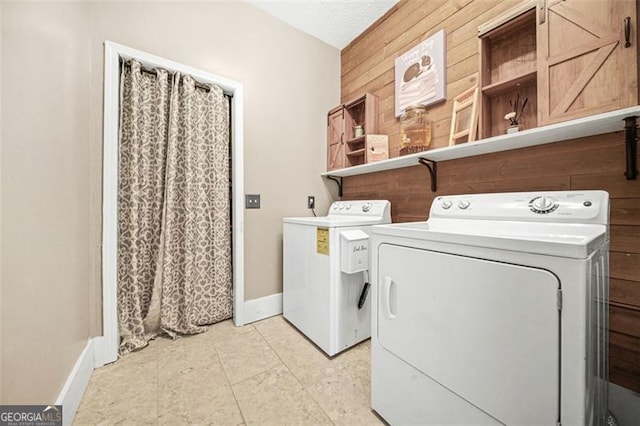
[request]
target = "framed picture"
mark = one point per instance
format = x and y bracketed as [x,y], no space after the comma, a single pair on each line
[420,74]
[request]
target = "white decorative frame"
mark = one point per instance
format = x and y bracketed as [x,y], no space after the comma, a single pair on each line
[467,102]
[420,74]
[107,345]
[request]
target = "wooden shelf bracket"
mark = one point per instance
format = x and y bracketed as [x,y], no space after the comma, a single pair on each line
[631,140]
[338,180]
[432,166]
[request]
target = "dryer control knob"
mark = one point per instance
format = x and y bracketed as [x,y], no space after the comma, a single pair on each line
[341,207]
[446,204]
[463,204]
[335,207]
[348,206]
[366,207]
[543,205]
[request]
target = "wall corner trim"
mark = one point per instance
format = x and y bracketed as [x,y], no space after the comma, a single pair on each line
[73,389]
[263,307]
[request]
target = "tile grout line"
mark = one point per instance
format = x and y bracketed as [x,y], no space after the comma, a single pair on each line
[262,372]
[279,357]
[304,389]
[268,369]
[226,376]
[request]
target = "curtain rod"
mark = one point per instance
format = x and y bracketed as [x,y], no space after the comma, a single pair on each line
[154,72]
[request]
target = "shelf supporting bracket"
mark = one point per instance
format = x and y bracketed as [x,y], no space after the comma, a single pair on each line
[338,180]
[432,166]
[631,140]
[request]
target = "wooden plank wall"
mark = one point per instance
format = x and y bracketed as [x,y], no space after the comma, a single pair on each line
[592,163]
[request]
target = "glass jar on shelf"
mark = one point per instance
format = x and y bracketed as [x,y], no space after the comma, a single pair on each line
[415,130]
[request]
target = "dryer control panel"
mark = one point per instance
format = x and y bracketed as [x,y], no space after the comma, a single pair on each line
[544,206]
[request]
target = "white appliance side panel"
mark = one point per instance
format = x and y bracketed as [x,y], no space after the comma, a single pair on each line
[306,283]
[487,331]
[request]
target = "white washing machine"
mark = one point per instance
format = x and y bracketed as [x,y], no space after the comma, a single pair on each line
[325,266]
[494,311]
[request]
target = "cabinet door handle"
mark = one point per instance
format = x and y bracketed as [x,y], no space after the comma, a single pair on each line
[627,31]
[342,138]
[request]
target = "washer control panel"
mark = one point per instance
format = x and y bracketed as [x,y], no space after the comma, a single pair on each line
[368,208]
[551,206]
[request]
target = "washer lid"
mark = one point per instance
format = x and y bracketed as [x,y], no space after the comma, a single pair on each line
[554,239]
[334,221]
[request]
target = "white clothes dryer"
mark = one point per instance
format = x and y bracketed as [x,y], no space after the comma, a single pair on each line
[493,311]
[325,267]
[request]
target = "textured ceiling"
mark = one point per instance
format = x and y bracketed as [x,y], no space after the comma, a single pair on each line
[336,22]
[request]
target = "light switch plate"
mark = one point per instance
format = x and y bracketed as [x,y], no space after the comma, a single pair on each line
[252,201]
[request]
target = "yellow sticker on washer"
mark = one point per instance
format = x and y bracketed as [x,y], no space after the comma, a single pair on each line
[322,240]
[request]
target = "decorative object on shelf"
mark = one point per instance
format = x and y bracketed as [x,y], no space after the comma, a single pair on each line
[358,131]
[514,115]
[415,130]
[367,149]
[464,118]
[608,122]
[377,148]
[420,74]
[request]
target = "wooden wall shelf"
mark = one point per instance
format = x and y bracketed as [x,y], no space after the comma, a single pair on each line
[607,122]
[510,84]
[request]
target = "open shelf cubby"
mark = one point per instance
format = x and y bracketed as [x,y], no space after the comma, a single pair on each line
[508,71]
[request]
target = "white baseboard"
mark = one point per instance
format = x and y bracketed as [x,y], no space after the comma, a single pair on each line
[264,307]
[73,389]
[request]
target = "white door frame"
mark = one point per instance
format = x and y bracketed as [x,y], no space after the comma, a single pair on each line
[107,349]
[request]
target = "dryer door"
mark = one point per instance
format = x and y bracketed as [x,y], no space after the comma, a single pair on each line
[487,331]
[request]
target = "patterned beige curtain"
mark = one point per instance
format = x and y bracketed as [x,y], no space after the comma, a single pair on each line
[174,270]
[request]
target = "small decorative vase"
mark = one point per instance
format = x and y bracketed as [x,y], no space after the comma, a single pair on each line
[512,129]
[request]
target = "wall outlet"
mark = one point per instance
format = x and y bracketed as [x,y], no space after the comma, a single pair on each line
[252,201]
[311,202]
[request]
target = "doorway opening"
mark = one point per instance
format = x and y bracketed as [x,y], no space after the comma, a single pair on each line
[107,350]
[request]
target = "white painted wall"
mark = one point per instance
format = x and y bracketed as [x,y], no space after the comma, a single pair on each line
[1,399]
[45,196]
[51,161]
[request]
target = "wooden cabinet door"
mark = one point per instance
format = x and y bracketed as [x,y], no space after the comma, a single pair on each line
[584,67]
[335,139]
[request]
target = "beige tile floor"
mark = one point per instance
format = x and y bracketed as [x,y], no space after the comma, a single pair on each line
[260,374]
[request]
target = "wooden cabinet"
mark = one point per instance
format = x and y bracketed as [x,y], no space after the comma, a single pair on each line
[346,147]
[508,71]
[566,57]
[585,65]
[335,139]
